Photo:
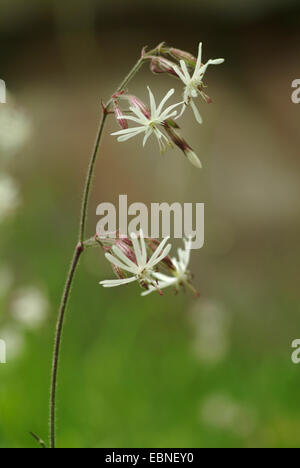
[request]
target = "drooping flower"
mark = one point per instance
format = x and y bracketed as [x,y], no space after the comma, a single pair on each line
[183,145]
[193,83]
[141,268]
[181,275]
[149,121]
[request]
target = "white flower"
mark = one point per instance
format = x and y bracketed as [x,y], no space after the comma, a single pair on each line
[181,273]
[9,196]
[143,269]
[30,307]
[211,329]
[149,124]
[15,130]
[222,412]
[14,342]
[193,84]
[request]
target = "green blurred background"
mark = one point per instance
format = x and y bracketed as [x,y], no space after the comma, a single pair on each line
[156,371]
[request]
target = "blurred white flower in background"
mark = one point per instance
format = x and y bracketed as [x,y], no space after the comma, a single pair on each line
[222,412]
[6,280]
[15,129]
[14,341]
[30,307]
[9,196]
[211,328]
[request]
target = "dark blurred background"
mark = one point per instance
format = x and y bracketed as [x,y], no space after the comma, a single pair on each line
[157,371]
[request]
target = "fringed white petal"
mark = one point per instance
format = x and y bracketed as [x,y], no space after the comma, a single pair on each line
[185,70]
[152,102]
[164,100]
[196,112]
[137,249]
[199,59]
[119,264]
[153,259]
[118,252]
[117,282]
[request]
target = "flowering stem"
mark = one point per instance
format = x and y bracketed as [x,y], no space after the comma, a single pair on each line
[88,182]
[78,251]
[86,195]
[57,342]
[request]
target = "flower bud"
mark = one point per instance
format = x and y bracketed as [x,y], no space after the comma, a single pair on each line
[119,116]
[122,242]
[133,101]
[162,65]
[183,55]
[125,245]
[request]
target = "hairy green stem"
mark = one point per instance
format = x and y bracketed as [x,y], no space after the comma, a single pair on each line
[78,251]
[86,194]
[57,342]
[89,177]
